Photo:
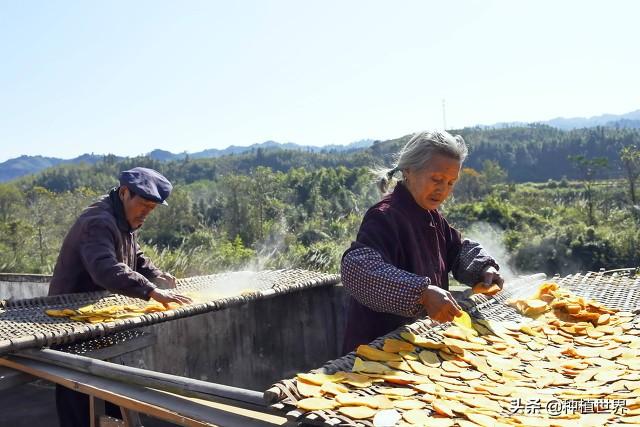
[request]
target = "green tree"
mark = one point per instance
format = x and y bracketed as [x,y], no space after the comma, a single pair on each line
[589,169]
[471,185]
[15,236]
[262,190]
[168,226]
[493,173]
[39,202]
[11,200]
[236,213]
[630,157]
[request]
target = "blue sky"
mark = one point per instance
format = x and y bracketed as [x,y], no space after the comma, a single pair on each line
[126,77]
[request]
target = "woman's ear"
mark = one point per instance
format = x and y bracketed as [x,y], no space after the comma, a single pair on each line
[406,173]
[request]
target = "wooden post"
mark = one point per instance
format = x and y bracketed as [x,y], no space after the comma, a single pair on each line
[130,418]
[96,410]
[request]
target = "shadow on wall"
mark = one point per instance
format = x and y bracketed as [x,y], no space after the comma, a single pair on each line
[254,345]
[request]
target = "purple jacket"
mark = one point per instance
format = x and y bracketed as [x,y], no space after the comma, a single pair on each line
[400,249]
[100,252]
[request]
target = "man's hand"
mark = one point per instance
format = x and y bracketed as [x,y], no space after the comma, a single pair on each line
[490,276]
[165,281]
[164,297]
[440,304]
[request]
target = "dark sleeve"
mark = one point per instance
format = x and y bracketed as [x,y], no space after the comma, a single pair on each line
[471,262]
[144,265]
[381,286]
[97,251]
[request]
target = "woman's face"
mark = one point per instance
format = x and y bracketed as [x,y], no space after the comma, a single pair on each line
[432,185]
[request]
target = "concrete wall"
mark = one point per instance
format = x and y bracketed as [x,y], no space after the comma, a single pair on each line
[20,286]
[254,345]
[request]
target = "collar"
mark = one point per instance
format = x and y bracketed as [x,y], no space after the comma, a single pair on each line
[118,211]
[403,197]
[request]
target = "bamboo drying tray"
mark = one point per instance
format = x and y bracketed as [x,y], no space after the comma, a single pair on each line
[615,290]
[24,324]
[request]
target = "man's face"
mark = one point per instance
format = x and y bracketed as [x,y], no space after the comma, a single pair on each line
[136,208]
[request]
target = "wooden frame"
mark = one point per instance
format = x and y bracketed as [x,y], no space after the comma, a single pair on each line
[180,410]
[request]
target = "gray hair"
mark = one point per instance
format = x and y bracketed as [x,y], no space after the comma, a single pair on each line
[417,153]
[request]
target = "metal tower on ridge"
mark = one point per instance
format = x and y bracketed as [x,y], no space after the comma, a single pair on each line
[444,116]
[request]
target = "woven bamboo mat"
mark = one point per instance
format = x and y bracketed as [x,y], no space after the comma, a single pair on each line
[617,291]
[24,324]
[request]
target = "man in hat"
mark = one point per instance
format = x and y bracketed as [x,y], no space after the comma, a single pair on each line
[100,252]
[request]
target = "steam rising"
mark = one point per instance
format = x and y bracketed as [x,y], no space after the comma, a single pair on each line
[230,284]
[491,239]
[234,283]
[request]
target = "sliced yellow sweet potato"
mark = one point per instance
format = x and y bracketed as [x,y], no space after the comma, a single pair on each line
[376,355]
[482,288]
[392,345]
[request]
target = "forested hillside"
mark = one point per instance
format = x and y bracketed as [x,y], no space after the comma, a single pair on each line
[539,153]
[562,202]
[533,153]
[28,165]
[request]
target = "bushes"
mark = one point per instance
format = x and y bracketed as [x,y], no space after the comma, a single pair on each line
[545,227]
[578,249]
[204,254]
[307,218]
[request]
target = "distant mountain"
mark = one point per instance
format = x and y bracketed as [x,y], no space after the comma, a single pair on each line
[357,145]
[534,153]
[234,149]
[165,156]
[26,165]
[581,122]
[628,120]
[624,123]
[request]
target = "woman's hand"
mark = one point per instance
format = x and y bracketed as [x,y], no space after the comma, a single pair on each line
[490,275]
[439,304]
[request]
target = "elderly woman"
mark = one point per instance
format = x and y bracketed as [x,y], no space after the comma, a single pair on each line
[397,269]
